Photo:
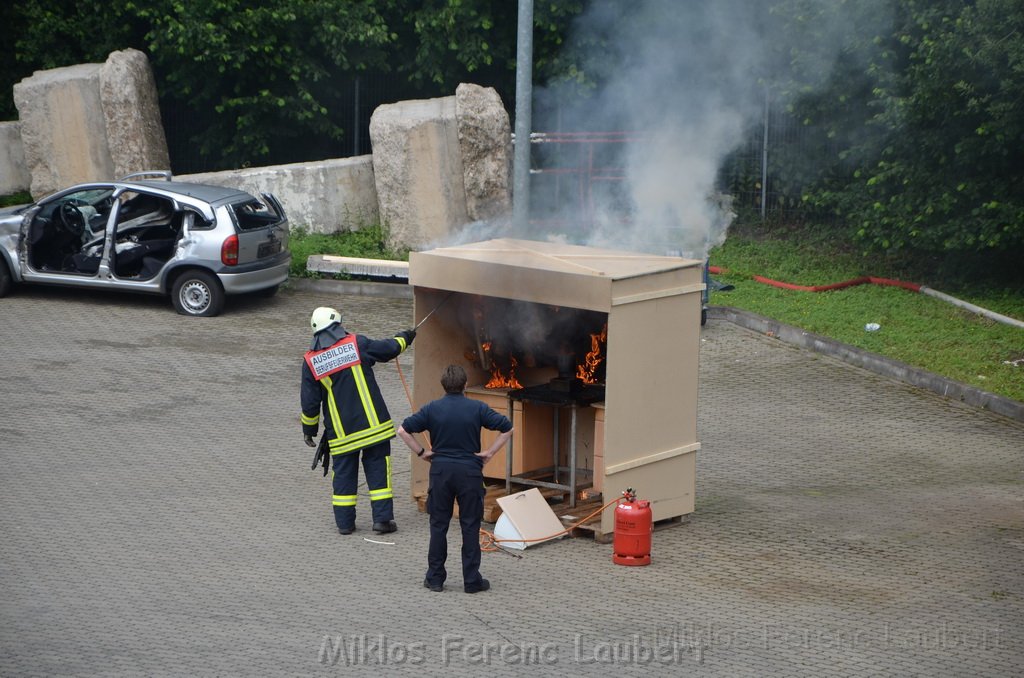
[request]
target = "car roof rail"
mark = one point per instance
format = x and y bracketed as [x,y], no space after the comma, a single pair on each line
[166,174]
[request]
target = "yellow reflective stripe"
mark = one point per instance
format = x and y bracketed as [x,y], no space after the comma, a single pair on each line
[360,437]
[346,447]
[343,499]
[364,395]
[310,421]
[386,491]
[365,438]
[401,342]
[332,406]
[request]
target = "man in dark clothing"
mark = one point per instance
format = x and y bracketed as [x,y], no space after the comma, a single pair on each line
[456,473]
[337,378]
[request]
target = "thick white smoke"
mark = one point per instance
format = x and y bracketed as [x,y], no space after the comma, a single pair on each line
[685,81]
[682,77]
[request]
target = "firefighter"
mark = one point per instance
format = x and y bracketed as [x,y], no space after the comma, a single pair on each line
[337,378]
[456,473]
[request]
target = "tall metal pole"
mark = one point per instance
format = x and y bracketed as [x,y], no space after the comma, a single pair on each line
[764,160]
[355,120]
[524,97]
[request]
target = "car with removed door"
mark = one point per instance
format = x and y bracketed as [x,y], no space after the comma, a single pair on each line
[148,233]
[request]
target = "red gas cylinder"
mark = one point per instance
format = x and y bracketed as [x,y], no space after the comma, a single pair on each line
[631,544]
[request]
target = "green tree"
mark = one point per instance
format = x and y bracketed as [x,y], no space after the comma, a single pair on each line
[53,33]
[444,42]
[268,82]
[248,80]
[261,77]
[925,117]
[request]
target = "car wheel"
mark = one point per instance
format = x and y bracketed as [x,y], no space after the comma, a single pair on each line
[197,293]
[6,282]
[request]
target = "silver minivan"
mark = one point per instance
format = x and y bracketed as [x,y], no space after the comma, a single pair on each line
[195,242]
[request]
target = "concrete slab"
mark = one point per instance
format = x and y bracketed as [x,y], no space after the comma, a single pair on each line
[398,271]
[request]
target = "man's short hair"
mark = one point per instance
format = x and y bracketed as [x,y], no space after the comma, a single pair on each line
[453,379]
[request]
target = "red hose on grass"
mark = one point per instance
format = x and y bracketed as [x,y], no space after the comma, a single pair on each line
[864,280]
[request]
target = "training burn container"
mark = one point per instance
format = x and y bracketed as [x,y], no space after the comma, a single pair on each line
[603,347]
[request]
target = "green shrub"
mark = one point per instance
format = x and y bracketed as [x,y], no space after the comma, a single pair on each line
[367,243]
[22,198]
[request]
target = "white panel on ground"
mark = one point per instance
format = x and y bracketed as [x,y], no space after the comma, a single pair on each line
[526,520]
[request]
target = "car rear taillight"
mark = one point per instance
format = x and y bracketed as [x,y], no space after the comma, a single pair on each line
[229,251]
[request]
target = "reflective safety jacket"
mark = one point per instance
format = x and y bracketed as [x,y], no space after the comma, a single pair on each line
[355,415]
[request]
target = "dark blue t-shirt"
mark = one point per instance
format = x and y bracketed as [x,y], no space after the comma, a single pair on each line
[454,424]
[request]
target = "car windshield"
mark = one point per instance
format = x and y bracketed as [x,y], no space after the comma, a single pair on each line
[92,196]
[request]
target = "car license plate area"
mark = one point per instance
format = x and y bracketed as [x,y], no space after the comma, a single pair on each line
[268,249]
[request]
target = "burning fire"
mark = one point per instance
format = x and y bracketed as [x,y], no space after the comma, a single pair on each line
[585,371]
[498,378]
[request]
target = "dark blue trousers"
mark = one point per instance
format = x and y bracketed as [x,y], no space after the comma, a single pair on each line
[377,468]
[451,482]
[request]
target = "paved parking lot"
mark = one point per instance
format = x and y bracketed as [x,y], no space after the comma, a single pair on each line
[159,517]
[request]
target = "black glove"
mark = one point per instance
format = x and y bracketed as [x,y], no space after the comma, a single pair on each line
[408,335]
[323,454]
[309,441]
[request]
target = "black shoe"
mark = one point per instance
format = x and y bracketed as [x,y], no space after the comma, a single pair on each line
[436,588]
[484,585]
[346,530]
[385,528]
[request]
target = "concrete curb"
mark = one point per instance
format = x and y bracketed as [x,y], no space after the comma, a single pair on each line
[363,288]
[873,362]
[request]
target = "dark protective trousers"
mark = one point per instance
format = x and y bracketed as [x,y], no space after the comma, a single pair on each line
[451,482]
[377,468]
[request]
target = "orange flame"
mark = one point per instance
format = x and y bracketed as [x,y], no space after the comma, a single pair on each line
[585,371]
[500,380]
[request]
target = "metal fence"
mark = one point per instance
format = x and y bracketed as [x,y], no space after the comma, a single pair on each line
[762,175]
[778,159]
[356,99]
[567,167]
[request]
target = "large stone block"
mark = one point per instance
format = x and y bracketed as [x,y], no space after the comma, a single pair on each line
[417,168]
[63,132]
[485,142]
[328,196]
[14,176]
[131,111]
[90,122]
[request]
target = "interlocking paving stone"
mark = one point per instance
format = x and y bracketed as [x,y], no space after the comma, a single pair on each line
[159,517]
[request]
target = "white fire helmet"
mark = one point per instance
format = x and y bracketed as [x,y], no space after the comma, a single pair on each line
[323,318]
